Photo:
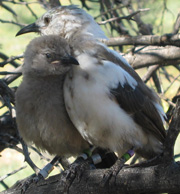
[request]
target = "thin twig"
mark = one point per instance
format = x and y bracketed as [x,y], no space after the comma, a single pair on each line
[172,82]
[174,129]
[10,78]
[12,22]
[177,24]
[128,17]
[10,72]
[149,73]
[4,185]
[12,146]
[28,159]
[10,60]
[167,100]
[21,3]
[11,173]
[109,10]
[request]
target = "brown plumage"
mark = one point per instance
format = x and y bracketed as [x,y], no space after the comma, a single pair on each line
[41,115]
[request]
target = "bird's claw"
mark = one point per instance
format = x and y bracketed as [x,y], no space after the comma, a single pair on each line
[24,185]
[77,168]
[111,173]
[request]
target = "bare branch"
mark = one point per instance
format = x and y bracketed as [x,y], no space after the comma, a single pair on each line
[12,146]
[128,17]
[109,11]
[10,78]
[12,22]
[149,73]
[7,8]
[172,134]
[159,178]
[152,55]
[166,39]
[177,24]
[28,159]
[172,83]
[11,173]
[6,93]
[9,60]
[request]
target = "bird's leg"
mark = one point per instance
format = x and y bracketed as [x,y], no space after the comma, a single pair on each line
[41,175]
[64,163]
[104,158]
[44,172]
[76,169]
[114,170]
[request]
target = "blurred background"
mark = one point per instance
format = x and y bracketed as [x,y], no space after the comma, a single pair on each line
[159,18]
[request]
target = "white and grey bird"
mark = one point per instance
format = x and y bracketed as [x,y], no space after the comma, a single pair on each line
[106,99]
[42,118]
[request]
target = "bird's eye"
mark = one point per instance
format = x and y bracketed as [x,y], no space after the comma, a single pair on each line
[48,55]
[46,20]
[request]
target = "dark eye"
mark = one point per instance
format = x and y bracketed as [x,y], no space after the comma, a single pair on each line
[48,55]
[46,20]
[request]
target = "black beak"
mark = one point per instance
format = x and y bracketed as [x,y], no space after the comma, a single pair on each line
[69,61]
[30,28]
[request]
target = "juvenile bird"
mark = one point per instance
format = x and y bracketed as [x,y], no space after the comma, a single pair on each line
[105,98]
[42,118]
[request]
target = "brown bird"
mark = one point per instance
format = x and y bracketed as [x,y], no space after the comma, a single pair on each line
[42,118]
[107,101]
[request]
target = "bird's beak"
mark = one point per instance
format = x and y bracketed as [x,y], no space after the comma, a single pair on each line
[69,60]
[30,28]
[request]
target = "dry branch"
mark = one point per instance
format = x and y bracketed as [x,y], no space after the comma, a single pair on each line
[177,24]
[149,56]
[128,17]
[159,178]
[164,40]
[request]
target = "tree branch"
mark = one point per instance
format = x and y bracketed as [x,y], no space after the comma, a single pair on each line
[128,17]
[160,178]
[149,56]
[172,134]
[166,39]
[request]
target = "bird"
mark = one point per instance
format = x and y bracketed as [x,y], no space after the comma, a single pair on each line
[42,118]
[105,98]
[110,105]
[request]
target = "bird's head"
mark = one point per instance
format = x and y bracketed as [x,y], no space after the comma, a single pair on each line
[65,21]
[47,56]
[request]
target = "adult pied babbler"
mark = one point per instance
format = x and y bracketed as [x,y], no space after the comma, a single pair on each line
[105,98]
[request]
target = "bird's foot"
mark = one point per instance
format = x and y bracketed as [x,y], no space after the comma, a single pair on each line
[114,170]
[75,171]
[24,185]
[78,167]
[43,173]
